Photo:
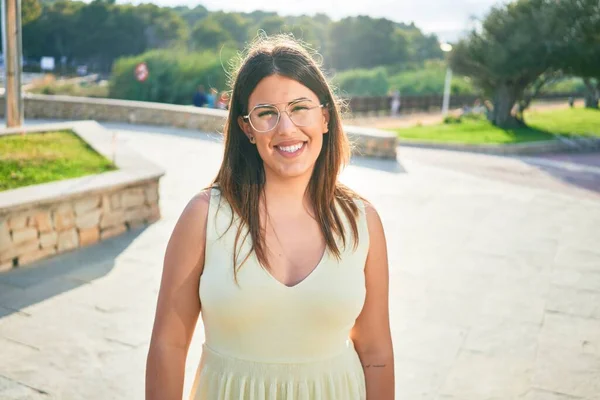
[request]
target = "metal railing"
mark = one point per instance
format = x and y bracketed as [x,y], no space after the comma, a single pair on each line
[381,105]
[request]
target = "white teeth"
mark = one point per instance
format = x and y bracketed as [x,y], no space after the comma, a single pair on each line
[291,149]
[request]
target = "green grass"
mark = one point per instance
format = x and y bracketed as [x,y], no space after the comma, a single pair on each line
[541,126]
[573,121]
[36,158]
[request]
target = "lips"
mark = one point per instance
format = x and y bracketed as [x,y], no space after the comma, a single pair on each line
[290,149]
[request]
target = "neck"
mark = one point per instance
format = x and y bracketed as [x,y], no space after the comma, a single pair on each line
[286,195]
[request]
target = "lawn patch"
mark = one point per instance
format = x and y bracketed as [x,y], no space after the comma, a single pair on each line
[541,126]
[36,158]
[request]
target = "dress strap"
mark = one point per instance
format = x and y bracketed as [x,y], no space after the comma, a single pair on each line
[362,225]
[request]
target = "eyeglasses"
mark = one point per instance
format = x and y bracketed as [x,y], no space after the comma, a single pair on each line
[265,117]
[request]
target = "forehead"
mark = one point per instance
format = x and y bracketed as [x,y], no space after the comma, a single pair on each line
[277,89]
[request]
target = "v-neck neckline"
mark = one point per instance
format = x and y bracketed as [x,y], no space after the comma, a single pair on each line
[301,282]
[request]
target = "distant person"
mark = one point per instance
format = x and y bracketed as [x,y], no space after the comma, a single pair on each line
[395,102]
[223,101]
[211,98]
[200,98]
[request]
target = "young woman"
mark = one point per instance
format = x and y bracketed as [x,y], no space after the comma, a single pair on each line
[288,266]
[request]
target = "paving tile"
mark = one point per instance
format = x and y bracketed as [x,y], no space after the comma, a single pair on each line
[537,394]
[481,376]
[571,333]
[583,303]
[562,370]
[493,286]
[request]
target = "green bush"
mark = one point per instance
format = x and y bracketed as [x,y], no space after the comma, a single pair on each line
[362,82]
[474,116]
[429,79]
[451,119]
[567,85]
[174,75]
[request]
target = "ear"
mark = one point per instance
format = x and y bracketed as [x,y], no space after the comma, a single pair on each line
[326,116]
[245,127]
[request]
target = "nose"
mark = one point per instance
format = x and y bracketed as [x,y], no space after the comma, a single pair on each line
[285,125]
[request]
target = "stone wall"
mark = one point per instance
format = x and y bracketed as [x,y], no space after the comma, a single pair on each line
[133,112]
[27,235]
[39,221]
[372,142]
[368,142]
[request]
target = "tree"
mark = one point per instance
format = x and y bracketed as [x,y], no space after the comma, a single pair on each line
[361,42]
[55,32]
[96,45]
[163,26]
[208,34]
[509,54]
[580,52]
[365,42]
[423,47]
[400,47]
[127,31]
[234,23]
[191,15]
[271,25]
[307,30]
[30,11]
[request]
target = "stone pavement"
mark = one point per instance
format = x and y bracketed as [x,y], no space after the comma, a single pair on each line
[495,283]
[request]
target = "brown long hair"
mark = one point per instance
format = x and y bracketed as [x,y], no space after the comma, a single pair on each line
[241,177]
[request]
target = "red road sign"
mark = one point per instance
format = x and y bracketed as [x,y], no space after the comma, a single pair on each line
[141,72]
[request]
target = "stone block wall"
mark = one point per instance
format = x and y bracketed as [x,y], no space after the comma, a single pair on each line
[113,110]
[367,142]
[373,146]
[27,235]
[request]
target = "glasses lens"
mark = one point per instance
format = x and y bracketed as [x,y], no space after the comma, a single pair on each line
[264,118]
[302,113]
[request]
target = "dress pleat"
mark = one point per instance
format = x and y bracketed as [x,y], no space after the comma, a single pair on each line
[227,378]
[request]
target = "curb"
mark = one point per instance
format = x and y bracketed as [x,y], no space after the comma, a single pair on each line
[560,144]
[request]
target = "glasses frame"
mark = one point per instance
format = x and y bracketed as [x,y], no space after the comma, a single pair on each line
[247,116]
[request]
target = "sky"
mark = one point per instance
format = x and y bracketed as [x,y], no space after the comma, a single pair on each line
[447,18]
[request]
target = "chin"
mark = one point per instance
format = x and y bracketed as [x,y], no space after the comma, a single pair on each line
[291,171]
[294,172]
[302,166]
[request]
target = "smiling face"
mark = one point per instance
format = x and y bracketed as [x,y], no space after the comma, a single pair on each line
[287,150]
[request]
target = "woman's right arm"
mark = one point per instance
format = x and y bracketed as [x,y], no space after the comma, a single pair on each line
[178,305]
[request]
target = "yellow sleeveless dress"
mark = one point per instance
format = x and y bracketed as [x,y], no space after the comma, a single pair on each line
[268,341]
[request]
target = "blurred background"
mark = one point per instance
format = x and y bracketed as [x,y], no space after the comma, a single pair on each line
[478,140]
[91,48]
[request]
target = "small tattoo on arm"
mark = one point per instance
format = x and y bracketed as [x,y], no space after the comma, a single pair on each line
[375,365]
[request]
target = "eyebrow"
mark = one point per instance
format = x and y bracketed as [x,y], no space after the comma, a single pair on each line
[290,102]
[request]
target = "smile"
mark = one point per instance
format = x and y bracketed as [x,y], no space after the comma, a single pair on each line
[291,151]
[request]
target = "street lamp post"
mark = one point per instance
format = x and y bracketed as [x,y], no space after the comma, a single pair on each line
[446,48]
[11,40]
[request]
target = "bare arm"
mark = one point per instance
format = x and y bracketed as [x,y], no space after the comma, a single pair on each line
[178,305]
[371,332]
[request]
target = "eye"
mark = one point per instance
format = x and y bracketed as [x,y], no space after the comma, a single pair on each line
[302,106]
[265,113]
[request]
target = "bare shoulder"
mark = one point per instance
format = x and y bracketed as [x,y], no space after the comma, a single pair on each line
[189,234]
[200,201]
[196,210]
[373,219]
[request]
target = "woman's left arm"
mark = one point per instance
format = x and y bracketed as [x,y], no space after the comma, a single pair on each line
[371,332]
